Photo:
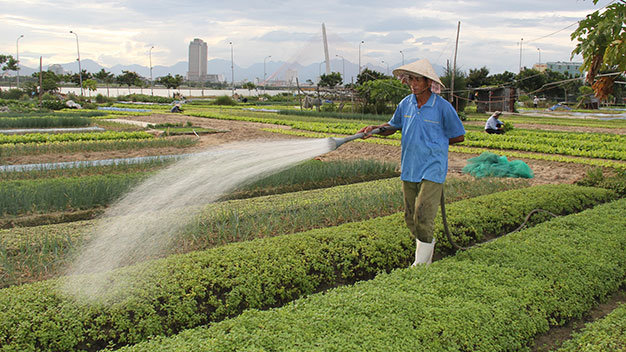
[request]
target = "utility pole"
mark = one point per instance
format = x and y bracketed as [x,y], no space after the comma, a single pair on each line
[151,84]
[232,67]
[80,70]
[458,29]
[17,51]
[401,53]
[264,74]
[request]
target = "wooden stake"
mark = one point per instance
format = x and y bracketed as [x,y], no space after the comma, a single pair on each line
[40,79]
[458,29]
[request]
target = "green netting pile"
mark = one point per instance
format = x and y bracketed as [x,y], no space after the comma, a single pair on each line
[489,164]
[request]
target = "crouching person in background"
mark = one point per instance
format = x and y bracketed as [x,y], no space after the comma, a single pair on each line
[494,125]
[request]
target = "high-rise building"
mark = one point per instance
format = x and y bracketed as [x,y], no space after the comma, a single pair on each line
[197,60]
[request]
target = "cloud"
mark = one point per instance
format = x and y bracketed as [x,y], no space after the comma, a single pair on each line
[430,40]
[284,36]
[407,23]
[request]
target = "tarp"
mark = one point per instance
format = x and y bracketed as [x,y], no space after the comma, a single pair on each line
[492,165]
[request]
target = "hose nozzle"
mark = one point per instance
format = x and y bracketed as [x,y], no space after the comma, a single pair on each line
[336,142]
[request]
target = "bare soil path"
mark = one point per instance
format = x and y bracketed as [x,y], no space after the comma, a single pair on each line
[545,171]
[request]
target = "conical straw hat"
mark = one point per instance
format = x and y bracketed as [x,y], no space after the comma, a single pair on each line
[418,68]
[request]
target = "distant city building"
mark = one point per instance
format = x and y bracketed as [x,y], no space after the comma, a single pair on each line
[567,68]
[197,60]
[57,69]
[540,67]
[212,78]
[290,76]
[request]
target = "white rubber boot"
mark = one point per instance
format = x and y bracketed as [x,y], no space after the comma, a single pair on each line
[424,252]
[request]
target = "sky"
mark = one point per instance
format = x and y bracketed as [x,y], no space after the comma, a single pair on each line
[122,32]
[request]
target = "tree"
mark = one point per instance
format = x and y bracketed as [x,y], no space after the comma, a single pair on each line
[171,82]
[75,78]
[128,78]
[330,80]
[460,84]
[380,93]
[249,86]
[369,75]
[558,84]
[91,85]
[504,78]
[8,63]
[530,80]
[105,77]
[49,83]
[478,77]
[602,43]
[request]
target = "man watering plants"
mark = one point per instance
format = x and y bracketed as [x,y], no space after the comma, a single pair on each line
[429,124]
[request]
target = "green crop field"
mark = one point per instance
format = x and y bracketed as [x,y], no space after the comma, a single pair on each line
[316,256]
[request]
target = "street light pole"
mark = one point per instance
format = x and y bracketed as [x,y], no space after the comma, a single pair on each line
[80,71]
[151,82]
[320,70]
[401,53]
[17,51]
[232,68]
[520,54]
[383,62]
[343,67]
[362,42]
[539,50]
[264,74]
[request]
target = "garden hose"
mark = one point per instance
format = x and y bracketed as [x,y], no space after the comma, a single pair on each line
[457,246]
[336,142]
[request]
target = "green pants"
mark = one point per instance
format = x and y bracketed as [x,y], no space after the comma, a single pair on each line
[421,202]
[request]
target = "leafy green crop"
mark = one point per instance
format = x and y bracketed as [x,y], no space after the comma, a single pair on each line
[493,298]
[67,137]
[606,334]
[517,291]
[43,122]
[31,254]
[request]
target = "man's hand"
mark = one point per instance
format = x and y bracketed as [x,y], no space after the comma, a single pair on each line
[366,130]
[458,139]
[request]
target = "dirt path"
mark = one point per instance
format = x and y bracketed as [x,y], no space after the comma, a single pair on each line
[545,171]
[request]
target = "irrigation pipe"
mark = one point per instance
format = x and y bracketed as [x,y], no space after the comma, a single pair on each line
[459,247]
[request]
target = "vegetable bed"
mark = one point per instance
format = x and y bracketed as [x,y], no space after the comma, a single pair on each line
[493,298]
[606,334]
[184,291]
[31,254]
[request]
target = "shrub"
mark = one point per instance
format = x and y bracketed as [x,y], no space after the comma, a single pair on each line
[223,100]
[13,94]
[329,107]
[101,99]
[595,178]
[53,104]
